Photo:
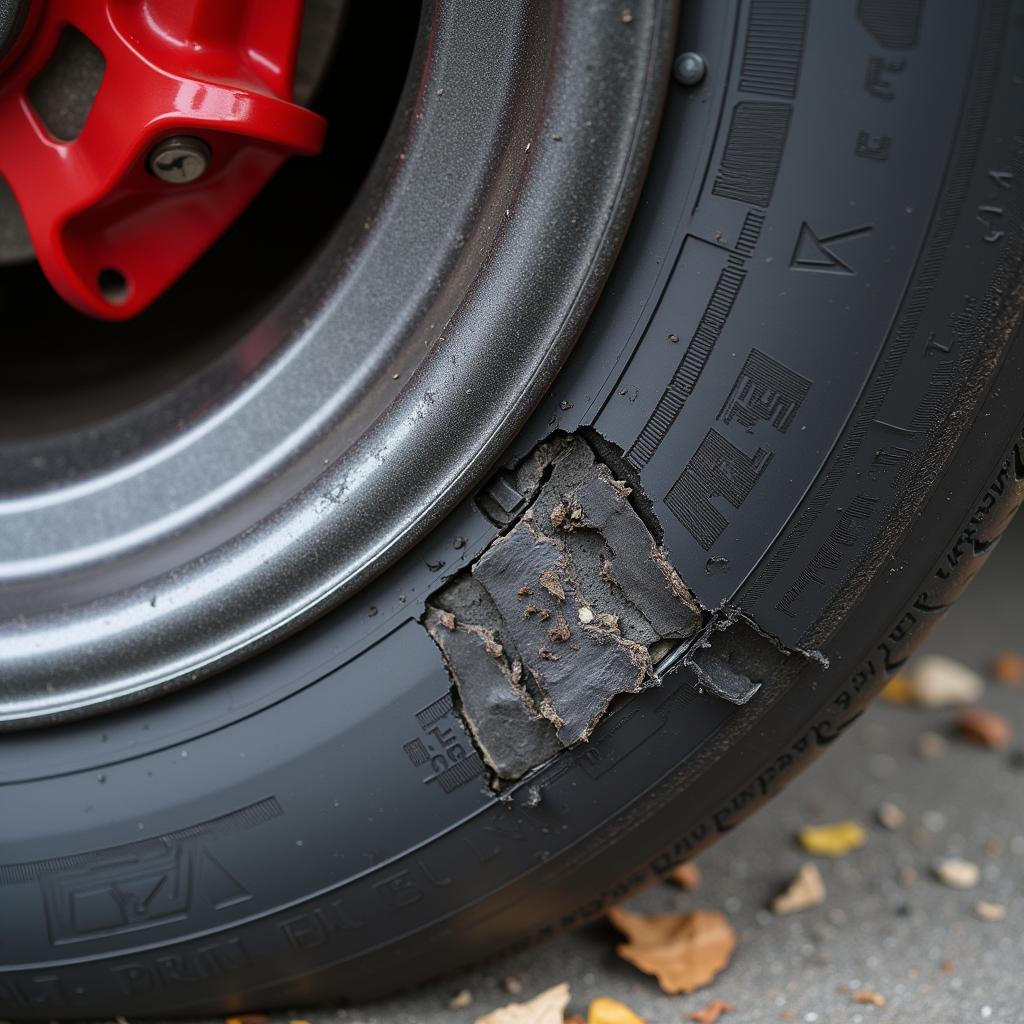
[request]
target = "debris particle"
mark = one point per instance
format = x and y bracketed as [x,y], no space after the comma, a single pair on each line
[711,1012]
[1008,669]
[559,632]
[513,984]
[460,1000]
[683,951]
[805,891]
[686,876]
[627,16]
[940,682]
[957,873]
[835,840]
[610,1011]
[674,338]
[908,876]
[586,616]
[547,1008]
[524,592]
[565,405]
[990,911]
[440,91]
[870,998]
[244,1018]
[556,137]
[459,543]
[985,728]
[447,619]
[548,579]
[891,817]
[930,745]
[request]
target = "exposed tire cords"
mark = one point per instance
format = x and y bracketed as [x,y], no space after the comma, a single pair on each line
[848,208]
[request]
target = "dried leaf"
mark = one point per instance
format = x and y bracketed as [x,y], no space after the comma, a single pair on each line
[957,873]
[805,891]
[986,728]
[870,998]
[1008,669]
[683,951]
[547,1008]
[711,1012]
[611,1011]
[939,682]
[835,840]
[686,876]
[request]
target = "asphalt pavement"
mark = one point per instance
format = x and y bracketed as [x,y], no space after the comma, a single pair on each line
[887,926]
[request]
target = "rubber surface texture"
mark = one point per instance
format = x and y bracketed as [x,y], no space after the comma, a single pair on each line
[809,350]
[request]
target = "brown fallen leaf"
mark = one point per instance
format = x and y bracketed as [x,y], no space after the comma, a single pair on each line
[870,998]
[683,951]
[711,1012]
[986,728]
[547,1008]
[611,1011]
[1008,668]
[686,876]
[805,891]
[835,840]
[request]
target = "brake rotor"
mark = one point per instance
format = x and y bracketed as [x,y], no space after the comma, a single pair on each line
[135,133]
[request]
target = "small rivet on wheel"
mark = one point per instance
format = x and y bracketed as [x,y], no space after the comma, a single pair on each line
[689,68]
[180,160]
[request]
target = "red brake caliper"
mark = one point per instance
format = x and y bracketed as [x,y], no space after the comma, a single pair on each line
[192,118]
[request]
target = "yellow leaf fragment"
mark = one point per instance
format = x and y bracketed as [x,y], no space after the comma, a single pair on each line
[835,840]
[683,951]
[547,1008]
[611,1011]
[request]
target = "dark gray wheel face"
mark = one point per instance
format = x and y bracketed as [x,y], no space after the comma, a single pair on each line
[353,414]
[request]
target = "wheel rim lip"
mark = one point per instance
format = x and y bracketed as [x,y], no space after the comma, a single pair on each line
[239,591]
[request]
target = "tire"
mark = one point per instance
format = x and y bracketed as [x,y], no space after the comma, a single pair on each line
[808,358]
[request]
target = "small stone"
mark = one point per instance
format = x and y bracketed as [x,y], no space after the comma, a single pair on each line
[586,616]
[990,911]
[513,984]
[908,876]
[957,873]
[930,745]
[460,1000]
[985,728]
[940,682]
[890,816]
[627,16]
[805,891]
[1008,669]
